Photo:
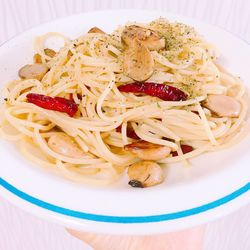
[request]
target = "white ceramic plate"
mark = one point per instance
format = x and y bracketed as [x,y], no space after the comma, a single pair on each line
[215,185]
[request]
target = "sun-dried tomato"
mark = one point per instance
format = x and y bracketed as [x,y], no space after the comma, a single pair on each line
[53,103]
[160,90]
[185,149]
[130,132]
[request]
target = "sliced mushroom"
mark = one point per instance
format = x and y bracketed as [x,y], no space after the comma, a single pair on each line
[147,37]
[63,144]
[222,105]
[148,151]
[96,30]
[138,63]
[145,174]
[33,71]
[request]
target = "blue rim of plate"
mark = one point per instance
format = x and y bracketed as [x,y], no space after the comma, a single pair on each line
[124,219]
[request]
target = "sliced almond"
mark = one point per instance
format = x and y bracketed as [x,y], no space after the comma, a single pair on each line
[65,145]
[145,174]
[138,63]
[96,30]
[33,71]
[147,37]
[148,151]
[223,106]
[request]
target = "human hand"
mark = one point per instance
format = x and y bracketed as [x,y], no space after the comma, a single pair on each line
[191,239]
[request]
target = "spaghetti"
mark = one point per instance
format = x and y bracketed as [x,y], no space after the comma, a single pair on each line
[92,72]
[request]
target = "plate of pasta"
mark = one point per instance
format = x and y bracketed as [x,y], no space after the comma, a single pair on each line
[134,124]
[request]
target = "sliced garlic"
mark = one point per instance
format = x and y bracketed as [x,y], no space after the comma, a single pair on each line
[63,144]
[223,106]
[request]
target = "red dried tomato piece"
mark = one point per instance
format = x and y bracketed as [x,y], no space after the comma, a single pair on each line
[160,90]
[168,139]
[53,103]
[185,149]
[130,132]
